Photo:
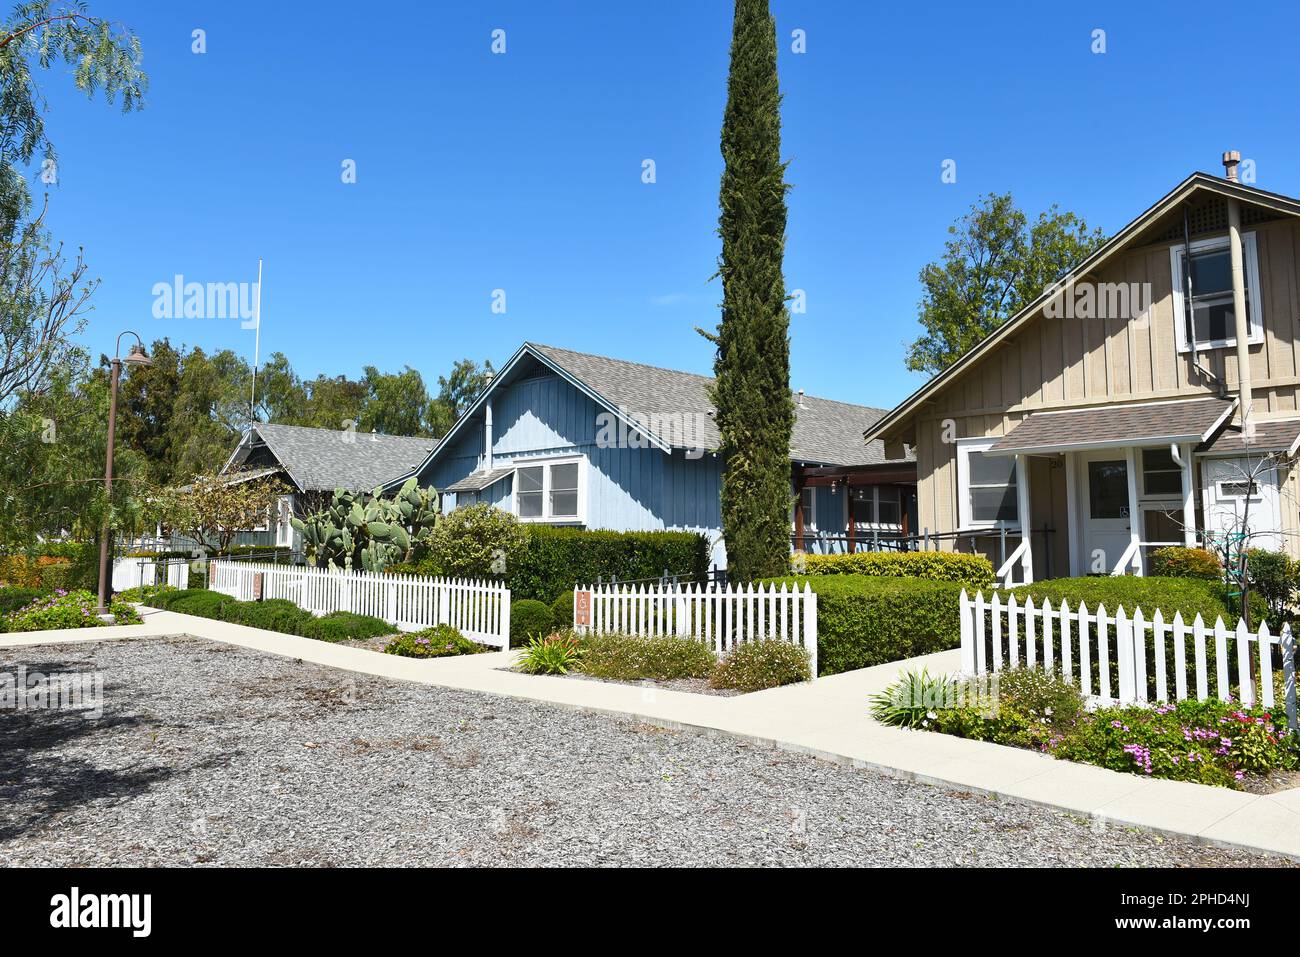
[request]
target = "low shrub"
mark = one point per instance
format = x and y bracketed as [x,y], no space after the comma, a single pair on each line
[619,657]
[562,610]
[756,665]
[529,619]
[1175,561]
[273,614]
[204,604]
[11,599]
[346,625]
[440,641]
[973,571]
[475,541]
[1273,578]
[145,594]
[75,609]
[556,654]
[865,620]
[1210,742]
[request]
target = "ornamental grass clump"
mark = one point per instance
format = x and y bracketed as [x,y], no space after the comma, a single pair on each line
[556,654]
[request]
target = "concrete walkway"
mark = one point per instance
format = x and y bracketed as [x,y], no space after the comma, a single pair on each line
[826,718]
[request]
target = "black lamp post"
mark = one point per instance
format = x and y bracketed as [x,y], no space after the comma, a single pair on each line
[136,357]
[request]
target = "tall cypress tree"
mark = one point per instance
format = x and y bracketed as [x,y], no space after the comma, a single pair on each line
[755,412]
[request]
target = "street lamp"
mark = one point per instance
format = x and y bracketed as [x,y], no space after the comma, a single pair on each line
[136,357]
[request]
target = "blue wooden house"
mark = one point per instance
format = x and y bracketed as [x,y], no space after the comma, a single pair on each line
[575,439]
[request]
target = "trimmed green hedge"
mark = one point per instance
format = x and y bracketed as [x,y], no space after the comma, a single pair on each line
[865,620]
[11,599]
[529,619]
[553,560]
[345,625]
[973,571]
[1191,596]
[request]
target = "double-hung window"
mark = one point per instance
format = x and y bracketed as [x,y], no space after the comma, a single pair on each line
[551,491]
[808,505]
[986,485]
[1211,274]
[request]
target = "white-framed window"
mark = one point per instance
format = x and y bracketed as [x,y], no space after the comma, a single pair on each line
[1239,489]
[1161,475]
[1212,316]
[808,504]
[551,490]
[986,485]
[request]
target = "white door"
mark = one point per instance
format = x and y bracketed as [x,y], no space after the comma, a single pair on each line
[1103,510]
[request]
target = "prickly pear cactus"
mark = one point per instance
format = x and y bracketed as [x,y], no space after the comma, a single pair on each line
[369,532]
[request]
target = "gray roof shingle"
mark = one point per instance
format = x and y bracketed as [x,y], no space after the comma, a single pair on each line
[326,459]
[1148,423]
[825,432]
[1274,435]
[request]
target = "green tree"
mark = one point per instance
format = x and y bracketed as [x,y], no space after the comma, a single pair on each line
[396,403]
[42,298]
[994,265]
[754,409]
[456,391]
[146,405]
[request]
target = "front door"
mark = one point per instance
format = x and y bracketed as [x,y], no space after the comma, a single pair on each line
[1104,510]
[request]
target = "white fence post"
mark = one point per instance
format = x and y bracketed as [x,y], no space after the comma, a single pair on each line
[810,626]
[1288,675]
[967,634]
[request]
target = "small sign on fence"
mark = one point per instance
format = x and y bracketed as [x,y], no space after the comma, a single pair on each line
[582,609]
[258,579]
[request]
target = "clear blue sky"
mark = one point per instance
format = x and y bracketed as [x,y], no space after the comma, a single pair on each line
[522,171]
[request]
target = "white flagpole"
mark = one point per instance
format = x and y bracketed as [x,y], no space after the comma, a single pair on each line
[257,342]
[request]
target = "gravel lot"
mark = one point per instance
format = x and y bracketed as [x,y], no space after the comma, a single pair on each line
[210,754]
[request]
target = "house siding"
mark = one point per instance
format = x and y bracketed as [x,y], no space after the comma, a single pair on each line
[1054,363]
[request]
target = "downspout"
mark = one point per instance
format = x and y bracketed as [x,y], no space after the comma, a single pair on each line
[487,436]
[1241,319]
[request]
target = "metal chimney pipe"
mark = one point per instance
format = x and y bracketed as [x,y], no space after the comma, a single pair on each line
[1230,160]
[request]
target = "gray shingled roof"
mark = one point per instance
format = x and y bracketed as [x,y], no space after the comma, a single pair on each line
[825,431]
[326,459]
[1275,435]
[478,481]
[1183,420]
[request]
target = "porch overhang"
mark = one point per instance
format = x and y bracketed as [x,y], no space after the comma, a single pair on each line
[1118,426]
[478,481]
[1277,435]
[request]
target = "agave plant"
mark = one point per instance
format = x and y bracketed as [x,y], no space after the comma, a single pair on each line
[911,701]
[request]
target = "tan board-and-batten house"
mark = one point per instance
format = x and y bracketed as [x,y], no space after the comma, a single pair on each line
[1110,416]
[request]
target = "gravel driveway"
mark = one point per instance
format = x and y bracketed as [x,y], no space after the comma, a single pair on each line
[211,754]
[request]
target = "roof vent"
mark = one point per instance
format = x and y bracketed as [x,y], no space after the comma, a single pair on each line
[800,394]
[1230,160]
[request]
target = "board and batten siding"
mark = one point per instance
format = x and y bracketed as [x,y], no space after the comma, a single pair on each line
[628,489]
[1067,363]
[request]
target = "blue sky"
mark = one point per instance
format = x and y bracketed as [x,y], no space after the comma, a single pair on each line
[523,171]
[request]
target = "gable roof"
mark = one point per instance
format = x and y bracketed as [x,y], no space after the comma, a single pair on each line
[651,400]
[1170,202]
[1059,430]
[326,459]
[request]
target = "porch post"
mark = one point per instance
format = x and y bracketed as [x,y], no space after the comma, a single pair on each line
[848,504]
[1134,513]
[1189,496]
[1073,544]
[1022,512]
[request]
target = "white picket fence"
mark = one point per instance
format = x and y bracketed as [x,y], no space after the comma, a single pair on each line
[1002,634]
[480,610]
[134,572]
[720,617]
